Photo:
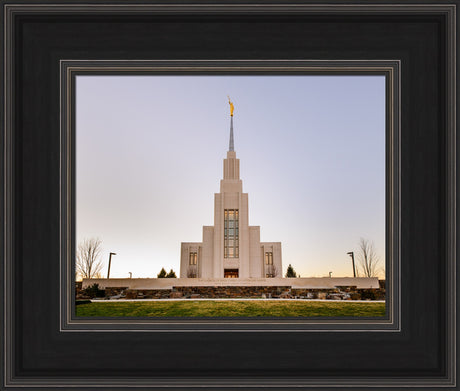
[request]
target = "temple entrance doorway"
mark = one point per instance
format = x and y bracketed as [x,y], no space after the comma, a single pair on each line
[230,273]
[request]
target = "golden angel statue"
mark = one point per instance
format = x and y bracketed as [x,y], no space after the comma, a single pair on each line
[231,106]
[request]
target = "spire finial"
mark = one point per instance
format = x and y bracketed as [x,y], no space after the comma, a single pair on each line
[231,106]
[230,146]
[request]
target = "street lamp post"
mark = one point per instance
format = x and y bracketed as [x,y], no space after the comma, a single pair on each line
[352,255]
[110,262]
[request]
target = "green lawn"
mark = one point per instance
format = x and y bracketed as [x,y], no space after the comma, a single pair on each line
[232,308]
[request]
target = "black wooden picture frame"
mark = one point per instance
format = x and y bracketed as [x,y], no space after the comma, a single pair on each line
[389,69]
[40,350]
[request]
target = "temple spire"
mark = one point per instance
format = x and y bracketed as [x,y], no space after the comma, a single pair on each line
[231,146]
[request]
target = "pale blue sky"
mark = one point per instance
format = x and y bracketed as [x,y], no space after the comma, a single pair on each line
[150,151]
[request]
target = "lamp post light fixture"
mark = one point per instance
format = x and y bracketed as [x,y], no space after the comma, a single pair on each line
[330,274]
[352,255]
[110,262]
[130,275]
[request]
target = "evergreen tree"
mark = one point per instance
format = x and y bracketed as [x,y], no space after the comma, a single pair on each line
[171,274]
[290,272]
[162,273]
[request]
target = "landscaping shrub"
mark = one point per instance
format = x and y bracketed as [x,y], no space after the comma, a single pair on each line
[94,291]
[367,295]
[78,302]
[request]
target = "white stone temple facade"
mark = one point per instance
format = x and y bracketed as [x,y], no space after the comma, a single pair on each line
[231,248]
[231,253]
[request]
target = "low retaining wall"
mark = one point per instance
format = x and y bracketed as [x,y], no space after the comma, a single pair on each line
[218,292]
[295,283]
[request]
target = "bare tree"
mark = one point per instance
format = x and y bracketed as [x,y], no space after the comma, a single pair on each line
[88,263]
[368,260]
[192,272]
[272,271]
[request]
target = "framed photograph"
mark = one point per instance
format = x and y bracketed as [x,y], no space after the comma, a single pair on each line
[240,276]
[127,266]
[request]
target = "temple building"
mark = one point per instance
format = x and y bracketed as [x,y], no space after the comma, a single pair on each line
[231,248]
[231,256]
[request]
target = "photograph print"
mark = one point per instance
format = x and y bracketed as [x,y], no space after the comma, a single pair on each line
[166,227]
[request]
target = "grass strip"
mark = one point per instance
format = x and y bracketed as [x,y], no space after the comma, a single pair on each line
[256,308]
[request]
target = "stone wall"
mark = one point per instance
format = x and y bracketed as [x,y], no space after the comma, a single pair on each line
[216,292]
[148,294]
[221,292]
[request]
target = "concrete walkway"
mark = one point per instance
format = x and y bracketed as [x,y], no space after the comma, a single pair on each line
[242,299]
